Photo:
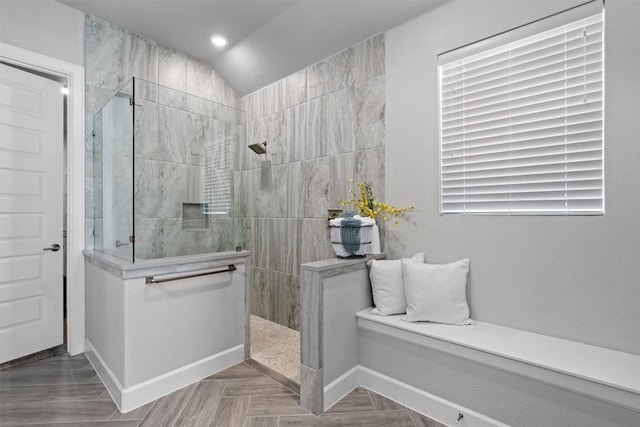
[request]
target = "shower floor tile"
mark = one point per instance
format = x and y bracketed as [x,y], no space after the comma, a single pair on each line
[276,346]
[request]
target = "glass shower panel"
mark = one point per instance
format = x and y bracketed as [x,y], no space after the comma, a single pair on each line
[113,176]
[183,182]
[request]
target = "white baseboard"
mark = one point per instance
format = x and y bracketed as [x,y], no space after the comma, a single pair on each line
[420,401]
[340,387]
[140,394]
[108,378]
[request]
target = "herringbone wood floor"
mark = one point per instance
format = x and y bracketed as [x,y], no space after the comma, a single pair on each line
[65,391]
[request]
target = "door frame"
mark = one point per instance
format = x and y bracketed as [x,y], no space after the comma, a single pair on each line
[75,180]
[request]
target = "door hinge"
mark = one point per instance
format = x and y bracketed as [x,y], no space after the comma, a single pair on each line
[135,101]
[132,239]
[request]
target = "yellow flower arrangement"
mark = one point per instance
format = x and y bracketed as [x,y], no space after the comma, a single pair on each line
[366,204]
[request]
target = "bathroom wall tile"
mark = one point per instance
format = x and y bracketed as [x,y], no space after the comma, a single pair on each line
[244,101]
[241,233]
[261,242]
[332,74]
[243,194]
[174,133]
[173,240]
[173,98]
[221,237]
[88,186]
[97,179]
[201,106]
[295,138]
[205,134]
[145,122]
[223,92]
[172,69]
[316,188]
[370,128]
[284,298]
[105,54]
[123,186]
[218,138]
[98,233]
[242,155]
[315,146]
[238,145]
[169,241]
[315,242]
[270,190]
[89,242]
[295,190]
[272,99]
[283,250]
[107,198]
[177,184]
[123,231]
[117,129]
[262,179]
[145,90]
[146,232]
[338,121]
[341,172]
[199,79]
[370,166]
[146,188]
[277,200]
[247,104]
[369,58]
[277,145]
[141,56]
[260,293]
[295,87]
[95,99]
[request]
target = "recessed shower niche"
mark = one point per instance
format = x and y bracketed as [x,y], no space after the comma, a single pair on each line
[163,174]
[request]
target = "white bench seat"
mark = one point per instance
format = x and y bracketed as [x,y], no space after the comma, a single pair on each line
[609,375]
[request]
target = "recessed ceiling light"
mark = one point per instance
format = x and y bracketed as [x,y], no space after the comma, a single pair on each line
[219,40]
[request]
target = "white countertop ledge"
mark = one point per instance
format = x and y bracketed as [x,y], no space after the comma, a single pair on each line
[141,268]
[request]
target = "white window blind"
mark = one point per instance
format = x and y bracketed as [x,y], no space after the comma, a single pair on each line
[217,176]
[522,122]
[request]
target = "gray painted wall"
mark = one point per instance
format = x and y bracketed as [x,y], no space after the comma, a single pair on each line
[43,26]
[571,277]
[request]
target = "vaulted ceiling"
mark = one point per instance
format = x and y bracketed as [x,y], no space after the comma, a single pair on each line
[268,39]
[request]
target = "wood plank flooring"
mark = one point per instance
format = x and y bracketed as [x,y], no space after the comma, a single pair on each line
[65,391]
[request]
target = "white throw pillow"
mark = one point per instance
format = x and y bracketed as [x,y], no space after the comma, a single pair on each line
[386,284]
[436,293]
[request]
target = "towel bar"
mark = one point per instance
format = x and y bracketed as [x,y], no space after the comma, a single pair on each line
[152,280]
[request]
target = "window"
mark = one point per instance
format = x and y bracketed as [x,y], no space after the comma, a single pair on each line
[521,119]
[217,177]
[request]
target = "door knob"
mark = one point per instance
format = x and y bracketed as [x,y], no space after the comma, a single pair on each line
[54,248]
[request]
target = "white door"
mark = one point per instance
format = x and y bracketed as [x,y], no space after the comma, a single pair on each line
[31,203]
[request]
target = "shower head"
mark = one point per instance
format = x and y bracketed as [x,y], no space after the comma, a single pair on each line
[259,147]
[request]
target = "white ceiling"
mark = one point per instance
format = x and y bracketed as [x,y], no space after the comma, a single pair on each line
[268,39]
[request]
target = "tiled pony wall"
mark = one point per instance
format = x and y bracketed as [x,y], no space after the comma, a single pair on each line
[197,105]
[324,126]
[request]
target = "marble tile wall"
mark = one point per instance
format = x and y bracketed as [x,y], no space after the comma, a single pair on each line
[324,126]
[185,104]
